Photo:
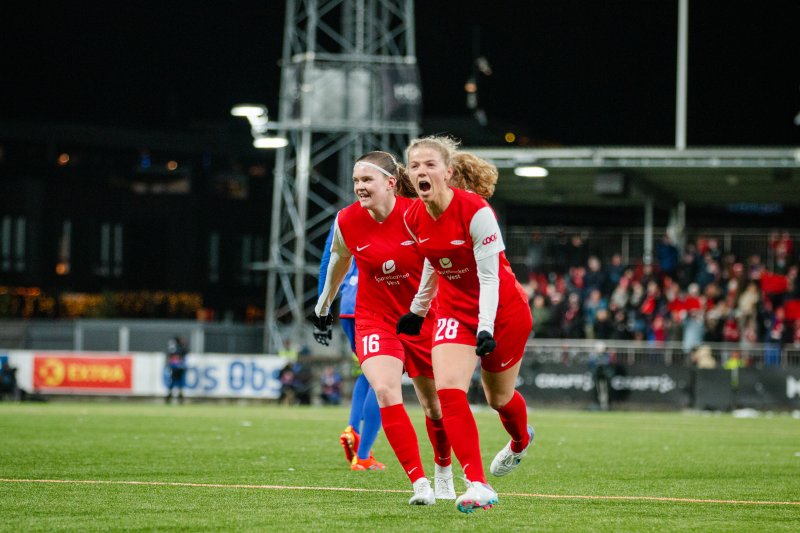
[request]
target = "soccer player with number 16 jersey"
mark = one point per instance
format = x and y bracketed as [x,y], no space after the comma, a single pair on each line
[372,231]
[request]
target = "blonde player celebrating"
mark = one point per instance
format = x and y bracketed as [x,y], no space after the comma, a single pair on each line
[389,268]
[482,310]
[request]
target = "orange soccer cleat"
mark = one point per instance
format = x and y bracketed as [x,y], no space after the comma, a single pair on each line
[349,440]
[366,464]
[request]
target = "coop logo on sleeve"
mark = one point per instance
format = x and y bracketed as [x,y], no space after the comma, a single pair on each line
[490,239]
[54,371]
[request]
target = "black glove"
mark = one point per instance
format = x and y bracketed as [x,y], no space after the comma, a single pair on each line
[410,324]
[322,329]
[485,343]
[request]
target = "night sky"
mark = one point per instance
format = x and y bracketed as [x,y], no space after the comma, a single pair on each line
[566,72]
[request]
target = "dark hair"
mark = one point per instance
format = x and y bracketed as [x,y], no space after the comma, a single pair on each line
[387,162]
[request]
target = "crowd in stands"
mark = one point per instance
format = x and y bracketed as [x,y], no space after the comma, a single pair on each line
[692,295]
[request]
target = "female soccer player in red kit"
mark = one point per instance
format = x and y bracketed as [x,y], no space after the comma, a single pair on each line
[389,267]
[482,309]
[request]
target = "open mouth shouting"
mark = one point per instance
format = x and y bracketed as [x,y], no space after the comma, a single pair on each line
[424,185]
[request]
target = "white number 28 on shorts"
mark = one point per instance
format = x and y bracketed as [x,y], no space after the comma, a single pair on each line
[446,328]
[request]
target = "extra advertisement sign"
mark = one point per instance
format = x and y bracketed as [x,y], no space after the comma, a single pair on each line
[101,372]
[146,374]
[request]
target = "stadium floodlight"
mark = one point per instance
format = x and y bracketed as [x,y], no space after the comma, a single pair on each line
[248,110]
[257,116]
[531,172]
[270,142]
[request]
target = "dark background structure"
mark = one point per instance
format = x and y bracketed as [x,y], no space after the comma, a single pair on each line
[564,72]
[115,126]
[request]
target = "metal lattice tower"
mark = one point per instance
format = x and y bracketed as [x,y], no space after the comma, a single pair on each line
[349,84]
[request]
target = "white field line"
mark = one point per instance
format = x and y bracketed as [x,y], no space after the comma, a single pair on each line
[351,489]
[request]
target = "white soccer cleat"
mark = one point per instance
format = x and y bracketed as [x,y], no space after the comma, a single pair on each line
[443,483]
[506,461]
[478,496]
[423,493]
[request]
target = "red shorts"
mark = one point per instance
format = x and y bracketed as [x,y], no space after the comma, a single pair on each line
[375,336]
[511,332]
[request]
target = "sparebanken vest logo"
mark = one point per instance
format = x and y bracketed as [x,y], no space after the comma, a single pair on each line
[388,267]
[445,262]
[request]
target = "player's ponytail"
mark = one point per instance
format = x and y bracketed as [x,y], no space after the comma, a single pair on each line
[404,186]
[472,173]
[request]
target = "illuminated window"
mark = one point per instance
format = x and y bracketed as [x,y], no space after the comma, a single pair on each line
[12,244]
[110,250]
[213,257]
[63,265]
[252,251]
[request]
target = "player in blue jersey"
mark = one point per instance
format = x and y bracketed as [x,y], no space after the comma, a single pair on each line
[365,414]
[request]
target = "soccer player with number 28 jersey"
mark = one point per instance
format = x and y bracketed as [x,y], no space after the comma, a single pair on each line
[482,309]
[389,267]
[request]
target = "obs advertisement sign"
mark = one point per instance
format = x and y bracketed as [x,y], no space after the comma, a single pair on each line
[145,374]
[231,376]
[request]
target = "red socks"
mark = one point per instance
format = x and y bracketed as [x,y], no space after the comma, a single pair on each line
[457,427]
[514,416]
[403,439]
[439,441]
[462,432]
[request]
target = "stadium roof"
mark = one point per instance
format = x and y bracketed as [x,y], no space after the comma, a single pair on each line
[627,176]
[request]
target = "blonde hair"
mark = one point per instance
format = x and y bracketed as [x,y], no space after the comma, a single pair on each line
[470,172]
[387,162]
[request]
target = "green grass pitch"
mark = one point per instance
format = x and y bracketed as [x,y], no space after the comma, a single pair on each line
[207,467]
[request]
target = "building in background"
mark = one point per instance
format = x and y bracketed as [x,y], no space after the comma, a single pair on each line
[100,222]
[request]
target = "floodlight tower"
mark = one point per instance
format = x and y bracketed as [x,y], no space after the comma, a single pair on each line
[349,84]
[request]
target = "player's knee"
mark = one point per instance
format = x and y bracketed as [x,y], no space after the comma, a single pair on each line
[434,412]
[497,400]
[387,394]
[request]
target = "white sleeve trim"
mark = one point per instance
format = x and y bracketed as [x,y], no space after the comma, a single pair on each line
[489,279]
[485,232]
[337,243]
[428,284]
[338,265]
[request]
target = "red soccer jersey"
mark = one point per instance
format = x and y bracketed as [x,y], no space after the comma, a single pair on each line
[448,244]
[389,263]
